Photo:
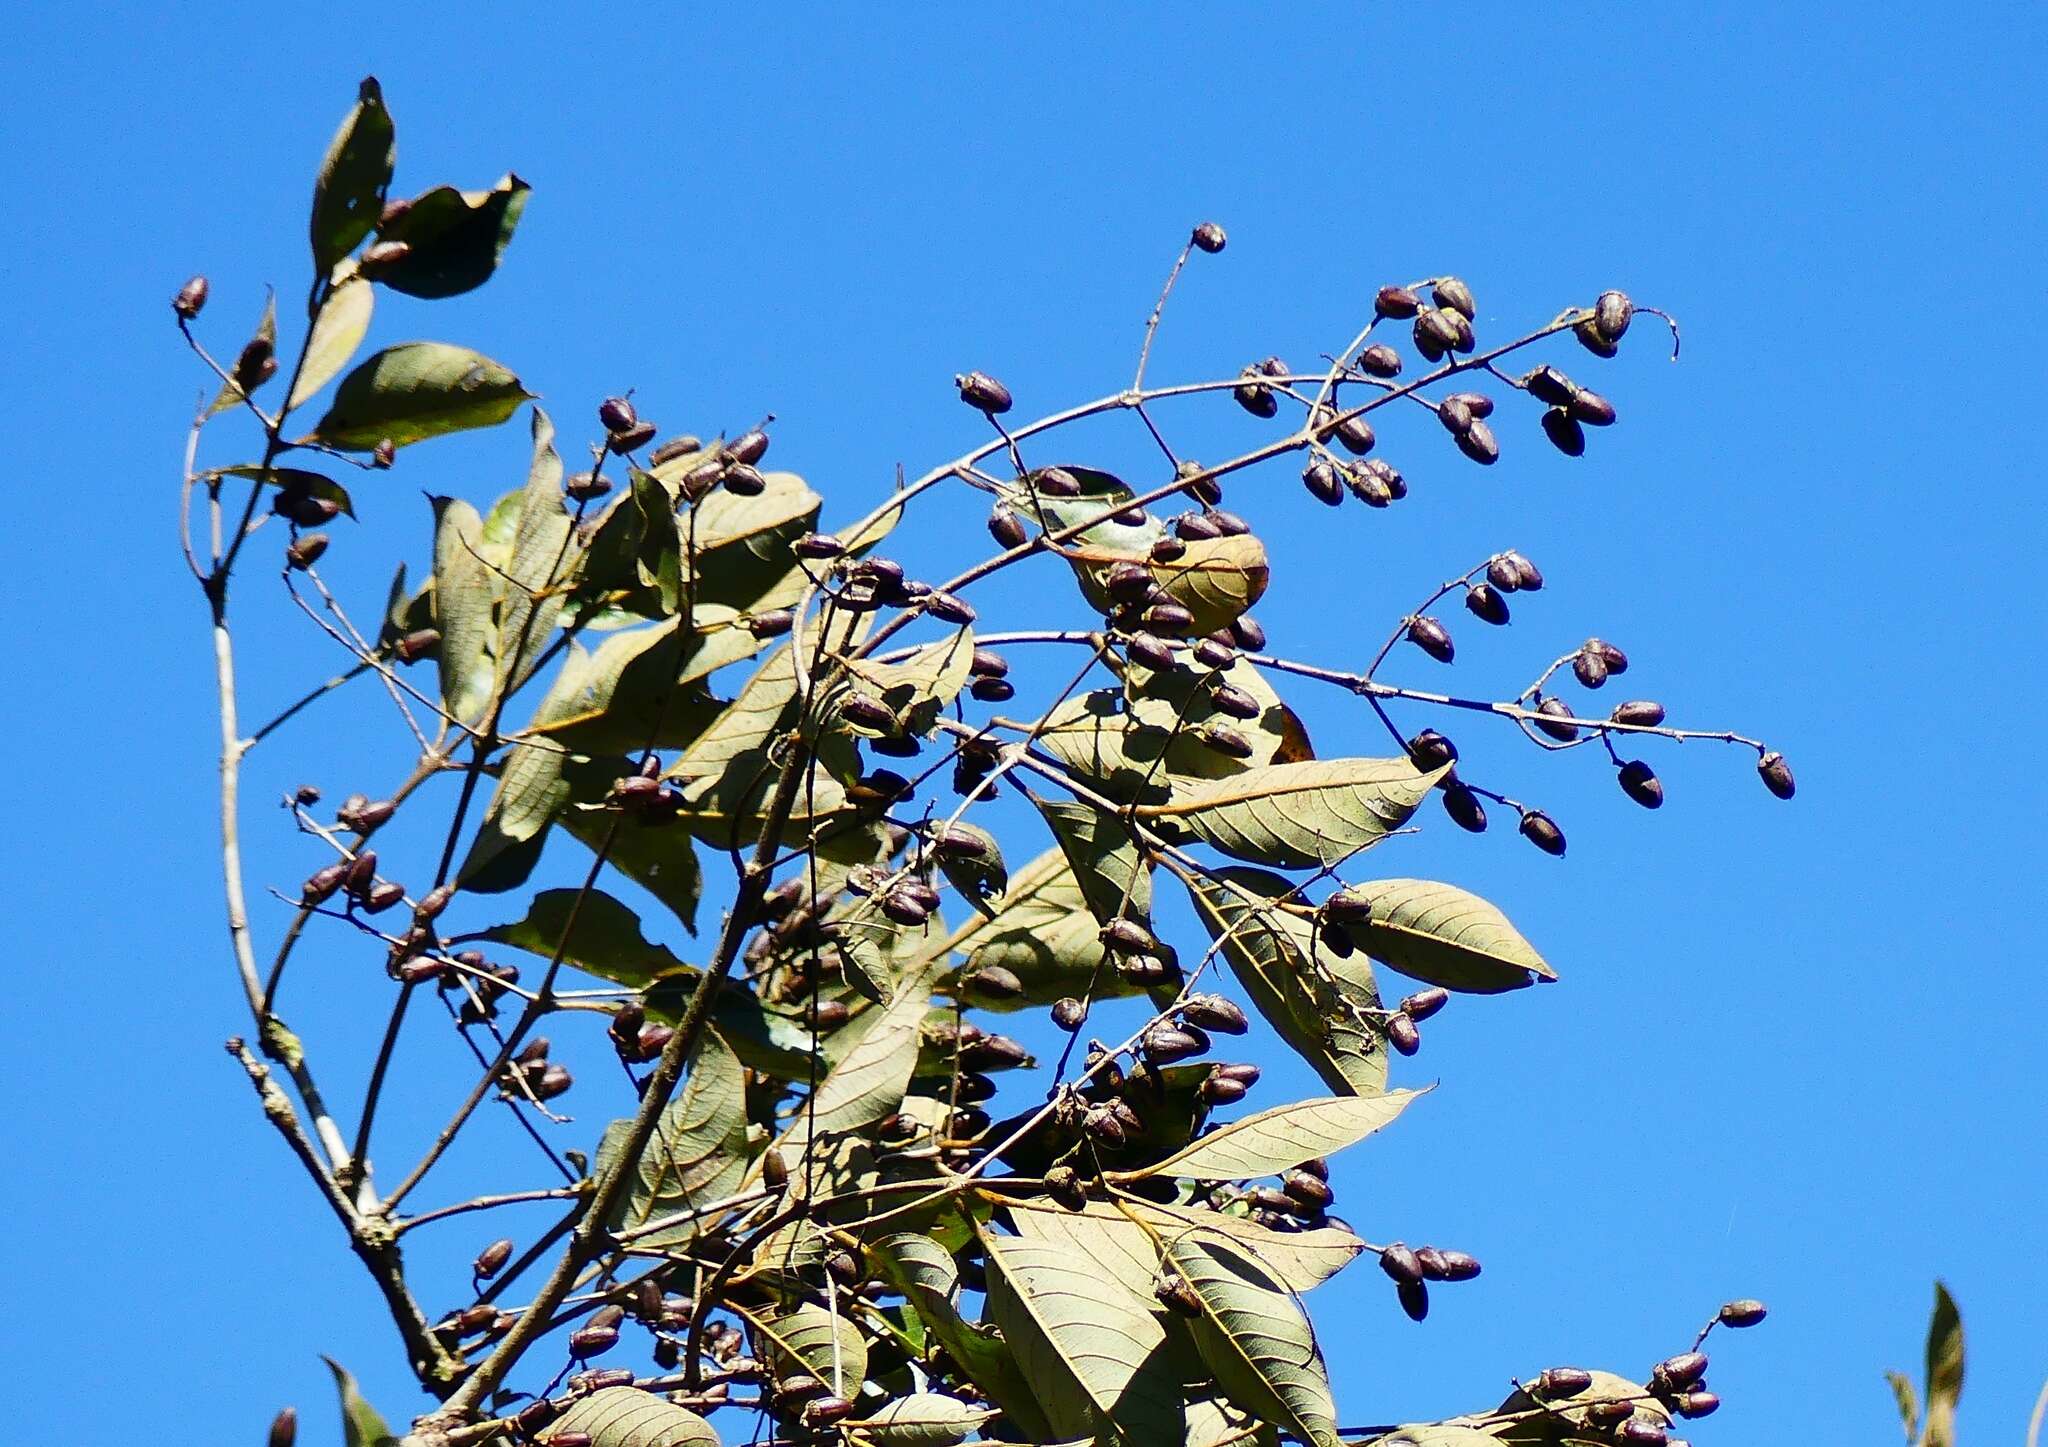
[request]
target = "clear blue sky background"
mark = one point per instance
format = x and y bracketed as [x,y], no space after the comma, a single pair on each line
[1796,1050]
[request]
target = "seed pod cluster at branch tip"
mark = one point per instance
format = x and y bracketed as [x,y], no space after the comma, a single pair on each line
[1425,1003]
[1254,395]
[983,393]
[1432,638]
[1541,830]
[1745,1312]
[1478,443]
[1644,712]
[1611,314]
[1676,1374]
[1454,294]
[1209,237]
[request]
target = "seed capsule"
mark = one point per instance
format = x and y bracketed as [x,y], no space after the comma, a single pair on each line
[1425,1003]
[1646,712]
[1355,436]
[1193,527]
[1234,702]
[1129,582]
[817,546]
[1542,831]
[1128,936]
[983,393]
[1164,1045]
[1225,740]
[1549,712]
[361,873]
[1588,333]
[1402,1034]
[1247,634]
[1547,384]
[586,486]
[554,1081]
[1396,302]
[1168,549]
[1435,333]
[1528,574]
[188,303]
[1503,574]
[1006,527]
[1399,1262]
[1690,1405]
[743,481]
[1209,237]
[993,982]
[1611,314]
[827,1410]
[1176,1295]
[1069,1013]
[1478,443]
[1431,750]
[1776,774]
[1432,638]
[1168,617]
[592,1341]
[305,551]
[959,844]
[1675,1374]
[1305,1191]
[1464,808]
[1556,1382]
[632,439]
[616,414]
[1639,1433]
[1486,603]
[1323,483]
[1434,1267]
[1369,488]
[1455,415]
[1476,404]
[1564,432]
[1211,653]
[1380,360]
[1223,1090]
[416,645]
[284,1427]
[1746,1312]
[949,609]
[1414,1297]
[1458,1265]
[1590,668]
[1453,293]
[1592,409]
[1349,905]
[867,712]
[1641,784]
[1056,482]
[256,365]
[1151,652]
[1255,397]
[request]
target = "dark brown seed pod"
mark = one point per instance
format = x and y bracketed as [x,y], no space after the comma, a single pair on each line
[772,624]
[1589,667]
[1639,1433]
[1434,1267]
[1176,1295]
[1127,936]
[1369,488]
[632,439]
[284,1427]
[1476,404]
[1676,1374]
[1464,338]
[1486,603]
[749,447]
[1246,633]
[1611,314]
[1254,396]
[1168,549]
[1402,1034]
[1246,1074]
[1167,618]
[972,1088]
[306,795]
[993,1052]
[743,481]
[1435,332]
[592,1341]
[1503,574]
[366,816]
[1691,1405]
[1398,1261]
[1555,1383]
[1323,483]
[1464,807]
[1223,1090]
[1564,432]
[1380,360]
[1453,293]
[1233,702]
[1548,385]
[1455,415]
[987,663]
[1549,715]
[1006,527]
[1396,302]
[306,510]
[983,393]
[1776,774]
[993,982]
[1349,905]
[827,1410]
[1056,482]
[1607,1412]
[1431,750]
[1274,367]
[1164,1045]
[586,486]
[1213,1012]
[1129,582]
[361,873]
[1478,443]
[1588,333]
[491,1260]
[1640,782]
[305,551]
[817,546]
[416,645]
[383,256]
[1069,1013]
[1432,638]
[554,1081]
[1103,1125]
[675,447]
[905,910]
[1530,576]
[1425,1003]
[1150,652]
[1592,409]
[1642,711]
[959,844]
[949,609]
[1209,237]
[256,364]
[1211,653]
[1194,527]
[1458,1265]
[1414,1298]
[1225,740]
[1355,436]
[1064,1185]
[867,711]
[189,303]
[616,414]
[1743,1313]
[1542,831]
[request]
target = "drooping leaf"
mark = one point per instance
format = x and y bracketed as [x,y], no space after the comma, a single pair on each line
[869,1080]
[1255,1338]
[295,480]
[740,545]
[604,938]
[530,793]
[1114,877]
[1299,1260]
[349,191]
[361,1424]
[465,592]
[921,686]
[697,1154]
[922,1419]
[1323,1005]
[1184,698]
[539,561]
[657,856]
[1278,1139]
[342,323]
[1297,816]
[926,1273]
[456,238]
[629,1417]
[1908,1402]
[1944,1370]
[1439,934]
[230,393]
[1046,935]
[639,688]
[414,391]
[816,1342]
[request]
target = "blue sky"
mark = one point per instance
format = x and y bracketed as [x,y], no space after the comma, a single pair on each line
[1795,1050]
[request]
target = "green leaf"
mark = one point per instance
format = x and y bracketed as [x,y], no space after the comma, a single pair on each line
[871,1077]
[1045,933]
[1184,696]
[456,238]
[414,391]
[465,609]
[1093,738]
[697,1154]
[1439,934]
[532,599]
[927,1275]
[1297,816]
[1278,1139]
[1115,879]
[1216,579]
[920,687]
[1299,1260]
[1324,1006]
[343,322]
[1254,1337]
[979,877]
[1569,1424]
[814,1341]
[604,940]
[1091,1346]
[530,792]
[349,192]
[294,479]
[629,1417]
[922,1419]
[1944,1370]
[361,1426]
[230,394]
[657,856]
[740,545]
[639,687]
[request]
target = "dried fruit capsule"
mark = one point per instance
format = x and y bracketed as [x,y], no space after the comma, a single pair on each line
[1168,617]
[1647,713]
[1425,1003]
[748,448]
[1564,432]
[1503,574]
[827,1410]
[959,844]
[1592,409]
[1223,1090]
[949,609]
[1746,1312]
[1435,332]
[1432,638]
[1355,436]
[993,982]
[491,1260]
[1640,782]
[1542,831]
[1349,905]
[1556,1382]
[1225,740]
[1776,774]
[1414,1297]
[1128,582]
[1547,384]
[632,439]
[1639,1433]
[554,1081]
[1478,443]
[1399,1262]
[1323,483]
[188,303]
[416,645]
[817,546]
[616,414]
[1128,937]
[1529,575]
[1434,1267]
[1589,667]
[1213,1012]
[1194,527]
[592,1341]
[1549,715]
[1369,488]
[1255,396]
[867,712]
[1431,750]
[305,551]
[1246,633]
[1380,360]
[1458,1265]
[1209,237]
[1055,482]
[256,365]
[1164,1045]
[742,480]
[1588,333]
[1069,1013]
[1233,702]
[1476,404]
[1611,314]
[1455,415]
[586,486]
[1675,1374]
[1696,1404]
[1464,807]
[1151,652]
[1176,1295]
[1402,1034]
[1168,549]
[1453,293]
[1006,527]
[1396,302]
[983,393]
[1486,603]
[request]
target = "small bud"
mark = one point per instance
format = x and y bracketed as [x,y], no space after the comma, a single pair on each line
[616,414]
[416,645]
[1432,638]
[1402,1034]
[1380,360]
[993,982]
[1743,1313]
[284,1427]
[1640,782]
[983,393]
[1611,314]
[1209,237]
[1549,711]
[1542,831]
[1006,527]
[1564,432]
[305,551]
[1464,807]
[1425,1003]
[1396,303]
[1486,603]
[1559,1382]
[188,303]
[1646,712]
[1776,774]
[1453,293]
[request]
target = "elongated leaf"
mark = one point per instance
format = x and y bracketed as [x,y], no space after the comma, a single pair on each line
[1297,816]
[604,940]
[1298,1260]
[1908,1403]
[230,393]
[922,1419]
[361,1425]
[1184,697]
[1322,1005]
[465,592]
[349,192]
[629,1417]
[539,561]
[1096,740]
[530,793]
[640,687]
[1090,1345]
[1944,1370]
[697,1154]
[921,685]
[456,238]
[1114,878]
[741,554]
[657,856]
[765,707]
[1044,933]
[1254,1337]
[295,480]
[870,1079]
[418,390]
[1275,1140]
[1439,934]
[1216,579]
[812,1340]
[927,1275]
[343,322]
